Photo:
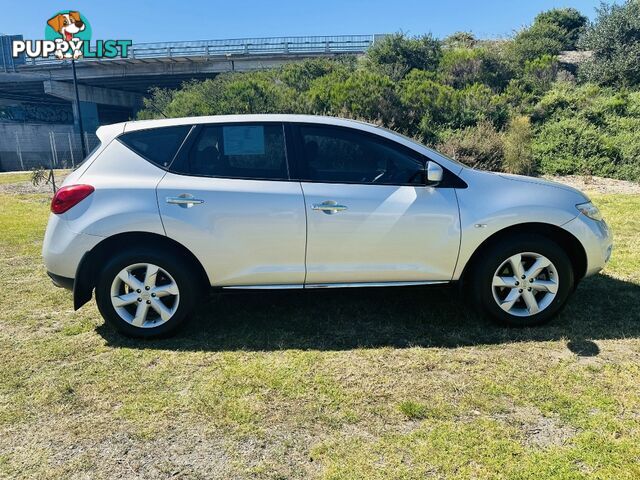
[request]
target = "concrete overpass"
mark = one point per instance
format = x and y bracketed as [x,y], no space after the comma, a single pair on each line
[123,82]
[111,90]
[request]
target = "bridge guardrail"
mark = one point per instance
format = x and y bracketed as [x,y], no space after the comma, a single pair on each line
[243,46]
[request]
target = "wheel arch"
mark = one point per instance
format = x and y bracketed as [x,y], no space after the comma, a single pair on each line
[89,266]
[565,239]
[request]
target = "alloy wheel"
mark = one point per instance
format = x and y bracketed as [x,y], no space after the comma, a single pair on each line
[525,284]
[145,295]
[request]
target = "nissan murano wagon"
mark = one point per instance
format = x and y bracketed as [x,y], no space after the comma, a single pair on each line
[164,209]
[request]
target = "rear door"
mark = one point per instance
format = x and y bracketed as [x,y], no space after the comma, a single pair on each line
[370,217]
[229,200]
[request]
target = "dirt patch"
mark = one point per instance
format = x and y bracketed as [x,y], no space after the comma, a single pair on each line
[598,184]
[175,452]
[27,188]
[539,430]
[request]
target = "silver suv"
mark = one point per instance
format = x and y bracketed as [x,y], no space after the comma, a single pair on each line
[163,209]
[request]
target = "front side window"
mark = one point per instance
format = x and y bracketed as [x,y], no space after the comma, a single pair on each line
[240,151]
[339,155]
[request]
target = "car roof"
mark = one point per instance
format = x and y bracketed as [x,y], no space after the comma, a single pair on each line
[320,119]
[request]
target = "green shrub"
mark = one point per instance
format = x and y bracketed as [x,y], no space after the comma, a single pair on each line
[478,103]
[570,20]
[518,157]
[460,40]
[396,55]
[480,146]
[255,92]
[614,39]
[589,128]
[551,32]
[362,94]
[572,146]
[300,75]
[427,105]
[537,77]
[435,107]
[536,41]
[623,135]
[460,67]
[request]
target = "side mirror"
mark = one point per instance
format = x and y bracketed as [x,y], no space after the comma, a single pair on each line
[434,173]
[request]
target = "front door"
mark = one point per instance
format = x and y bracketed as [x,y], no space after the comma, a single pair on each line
[370,218]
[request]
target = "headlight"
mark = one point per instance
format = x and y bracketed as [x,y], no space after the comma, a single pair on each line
[590,210]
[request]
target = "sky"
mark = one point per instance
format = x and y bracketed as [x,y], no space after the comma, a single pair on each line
[171,20]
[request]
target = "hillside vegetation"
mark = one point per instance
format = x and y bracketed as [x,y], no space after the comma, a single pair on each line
[514,105]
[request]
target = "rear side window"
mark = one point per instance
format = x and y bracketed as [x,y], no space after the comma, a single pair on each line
[253,151]
[158,145]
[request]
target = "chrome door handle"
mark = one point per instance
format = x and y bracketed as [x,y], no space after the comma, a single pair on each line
[329,207]
[185,200]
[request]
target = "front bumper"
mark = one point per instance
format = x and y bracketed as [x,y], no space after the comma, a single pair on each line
[596,238]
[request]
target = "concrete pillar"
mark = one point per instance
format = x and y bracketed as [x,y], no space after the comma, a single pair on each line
[89,112]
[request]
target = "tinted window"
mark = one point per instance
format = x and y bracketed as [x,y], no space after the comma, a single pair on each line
[158,145]
[346,156]
[240,151]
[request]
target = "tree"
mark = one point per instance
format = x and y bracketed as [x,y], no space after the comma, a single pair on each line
[614,39]
[568,19]
[255,92]
[551,32]
[156,104]
[536,41]
[460,40]
[396,55]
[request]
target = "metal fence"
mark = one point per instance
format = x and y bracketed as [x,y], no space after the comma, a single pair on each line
[66,150]
[25,151]
[243,46]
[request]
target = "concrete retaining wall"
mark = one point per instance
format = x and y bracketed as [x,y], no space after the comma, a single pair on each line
[26,146]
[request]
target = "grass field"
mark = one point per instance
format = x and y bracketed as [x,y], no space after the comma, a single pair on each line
[394,383]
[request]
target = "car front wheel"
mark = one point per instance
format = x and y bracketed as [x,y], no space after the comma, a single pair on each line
[522,280]
[145,293]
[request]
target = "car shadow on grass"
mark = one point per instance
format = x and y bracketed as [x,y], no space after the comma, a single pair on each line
[339,319]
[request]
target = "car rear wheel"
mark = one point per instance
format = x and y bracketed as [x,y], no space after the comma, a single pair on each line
[522,280]
[145,293]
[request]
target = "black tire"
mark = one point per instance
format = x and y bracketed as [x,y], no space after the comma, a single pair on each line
[182,273]
[489,261]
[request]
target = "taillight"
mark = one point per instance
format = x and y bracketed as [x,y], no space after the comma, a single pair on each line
[69,196]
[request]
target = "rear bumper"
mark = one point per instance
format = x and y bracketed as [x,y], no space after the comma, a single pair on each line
[596,238]
[62,249]
[62,282]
